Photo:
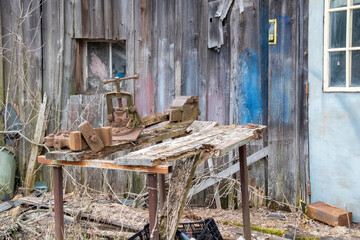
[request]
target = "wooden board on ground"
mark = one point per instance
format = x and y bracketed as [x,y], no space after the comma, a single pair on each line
[217,140]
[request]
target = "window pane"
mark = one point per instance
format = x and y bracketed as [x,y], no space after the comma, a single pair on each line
[338,3]
[355,69]
[118,60]
[337,69]
[98,66]
[356,2]
[338,29]
[356,28]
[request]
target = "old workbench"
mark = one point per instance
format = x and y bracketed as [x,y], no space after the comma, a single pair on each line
[190,145]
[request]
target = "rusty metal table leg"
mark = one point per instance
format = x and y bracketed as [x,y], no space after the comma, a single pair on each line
[153,202]
[244,192]
[58,201]
[162,189]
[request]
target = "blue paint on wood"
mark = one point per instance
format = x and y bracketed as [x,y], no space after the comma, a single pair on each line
[282,87]
[248,94]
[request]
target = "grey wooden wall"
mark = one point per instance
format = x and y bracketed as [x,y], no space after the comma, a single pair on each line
[242,79]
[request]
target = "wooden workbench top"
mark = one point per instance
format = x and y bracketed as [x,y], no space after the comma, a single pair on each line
[205,137]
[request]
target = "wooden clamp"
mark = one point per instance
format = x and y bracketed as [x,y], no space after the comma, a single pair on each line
[90,136]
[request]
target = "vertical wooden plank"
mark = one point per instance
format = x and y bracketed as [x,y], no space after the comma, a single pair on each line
[303,25]
[178,53]
[108,19]
[190,61]
[85,19]
[147,55]
[165,65]
[2,83]
[52,29]
[282,107]
[77,16]
[218,76]
[97,19]
[203,56]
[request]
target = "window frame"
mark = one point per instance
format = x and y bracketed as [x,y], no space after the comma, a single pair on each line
[81,64]
[347,49]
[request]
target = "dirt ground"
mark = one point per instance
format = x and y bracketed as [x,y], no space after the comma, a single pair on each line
[89,217]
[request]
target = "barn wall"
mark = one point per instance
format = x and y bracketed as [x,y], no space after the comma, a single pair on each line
[241,80]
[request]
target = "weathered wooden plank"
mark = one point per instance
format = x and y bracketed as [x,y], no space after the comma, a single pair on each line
[215,27]
[223,9]
[229,171]
[77,16]
[199,126]
[145,16]
[283,108]
[218,141]
[203,56]
[107,164]
[190,59]
[165,65]
[53,35]
[108,19]
[97,19]
[35,150]
[303,91]
[85,19]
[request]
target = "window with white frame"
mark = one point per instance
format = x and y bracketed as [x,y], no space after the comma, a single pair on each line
[342,46]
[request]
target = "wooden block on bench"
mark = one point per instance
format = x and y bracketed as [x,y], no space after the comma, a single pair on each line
[329,214]
[77,142]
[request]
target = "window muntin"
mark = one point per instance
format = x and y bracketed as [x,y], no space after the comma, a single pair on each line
[342,46]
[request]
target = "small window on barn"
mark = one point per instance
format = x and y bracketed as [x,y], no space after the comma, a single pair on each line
[342,46]
[98,61]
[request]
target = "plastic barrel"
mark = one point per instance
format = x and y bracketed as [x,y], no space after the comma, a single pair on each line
[7,172]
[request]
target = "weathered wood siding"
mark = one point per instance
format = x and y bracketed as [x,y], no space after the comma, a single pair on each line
[240,80]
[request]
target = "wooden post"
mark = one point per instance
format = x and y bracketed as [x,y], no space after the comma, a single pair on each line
[244,192]
[35,149]
[162,188]
[58,202]
[153,202]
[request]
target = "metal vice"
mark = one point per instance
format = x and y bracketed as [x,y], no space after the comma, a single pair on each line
[123,116]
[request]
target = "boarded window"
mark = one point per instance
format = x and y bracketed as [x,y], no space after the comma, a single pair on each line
[98,61]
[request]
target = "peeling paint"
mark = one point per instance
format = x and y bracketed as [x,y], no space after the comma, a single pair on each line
[248,94]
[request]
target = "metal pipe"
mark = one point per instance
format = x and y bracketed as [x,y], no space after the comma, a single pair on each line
[244,192]
[58,202]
